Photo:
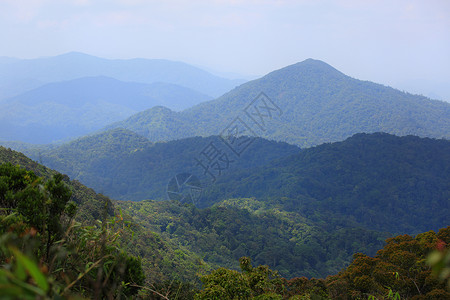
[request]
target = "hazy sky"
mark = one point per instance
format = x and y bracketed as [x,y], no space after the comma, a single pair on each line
[405,44]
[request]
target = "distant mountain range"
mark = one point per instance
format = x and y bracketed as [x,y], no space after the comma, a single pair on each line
[307,104]
[65,110]
[18,76]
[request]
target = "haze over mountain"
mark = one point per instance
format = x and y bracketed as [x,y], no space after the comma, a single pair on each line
[315,104]
[18,76]
[77,107]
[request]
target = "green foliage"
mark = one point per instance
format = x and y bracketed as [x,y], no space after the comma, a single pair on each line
[439,259]
[13,278]
[250,283]
[73,259]
[398,270]
[286,241]
[90,205]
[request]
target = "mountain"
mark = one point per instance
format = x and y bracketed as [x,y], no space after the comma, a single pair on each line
[124,165]
[306,104]
[68,109]
[22,75]
[304,214]
[380,181]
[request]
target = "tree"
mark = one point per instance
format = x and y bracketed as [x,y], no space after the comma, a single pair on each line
[259,282]
[45,253]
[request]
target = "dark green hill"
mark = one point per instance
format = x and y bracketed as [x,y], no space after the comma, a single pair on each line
[318,104]
[124,165]
[65,110]
[381,181]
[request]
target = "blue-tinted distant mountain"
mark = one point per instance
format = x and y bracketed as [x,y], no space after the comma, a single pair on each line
[75,65]
[68,109]
[6,59]
[318,104]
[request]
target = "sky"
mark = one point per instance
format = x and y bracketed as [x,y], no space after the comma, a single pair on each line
[403,44]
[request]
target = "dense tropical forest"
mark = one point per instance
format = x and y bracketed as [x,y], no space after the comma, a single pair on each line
[82,243]
[63,257]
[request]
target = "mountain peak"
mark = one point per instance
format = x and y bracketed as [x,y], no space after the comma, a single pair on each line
[317,65]
[312,60]
[311,70]
[74,54]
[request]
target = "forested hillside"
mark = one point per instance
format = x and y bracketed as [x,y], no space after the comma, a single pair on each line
[158,242]
[286,241]
[91,205]
[310,103]
[401,270]
[124,165]
[380,181]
